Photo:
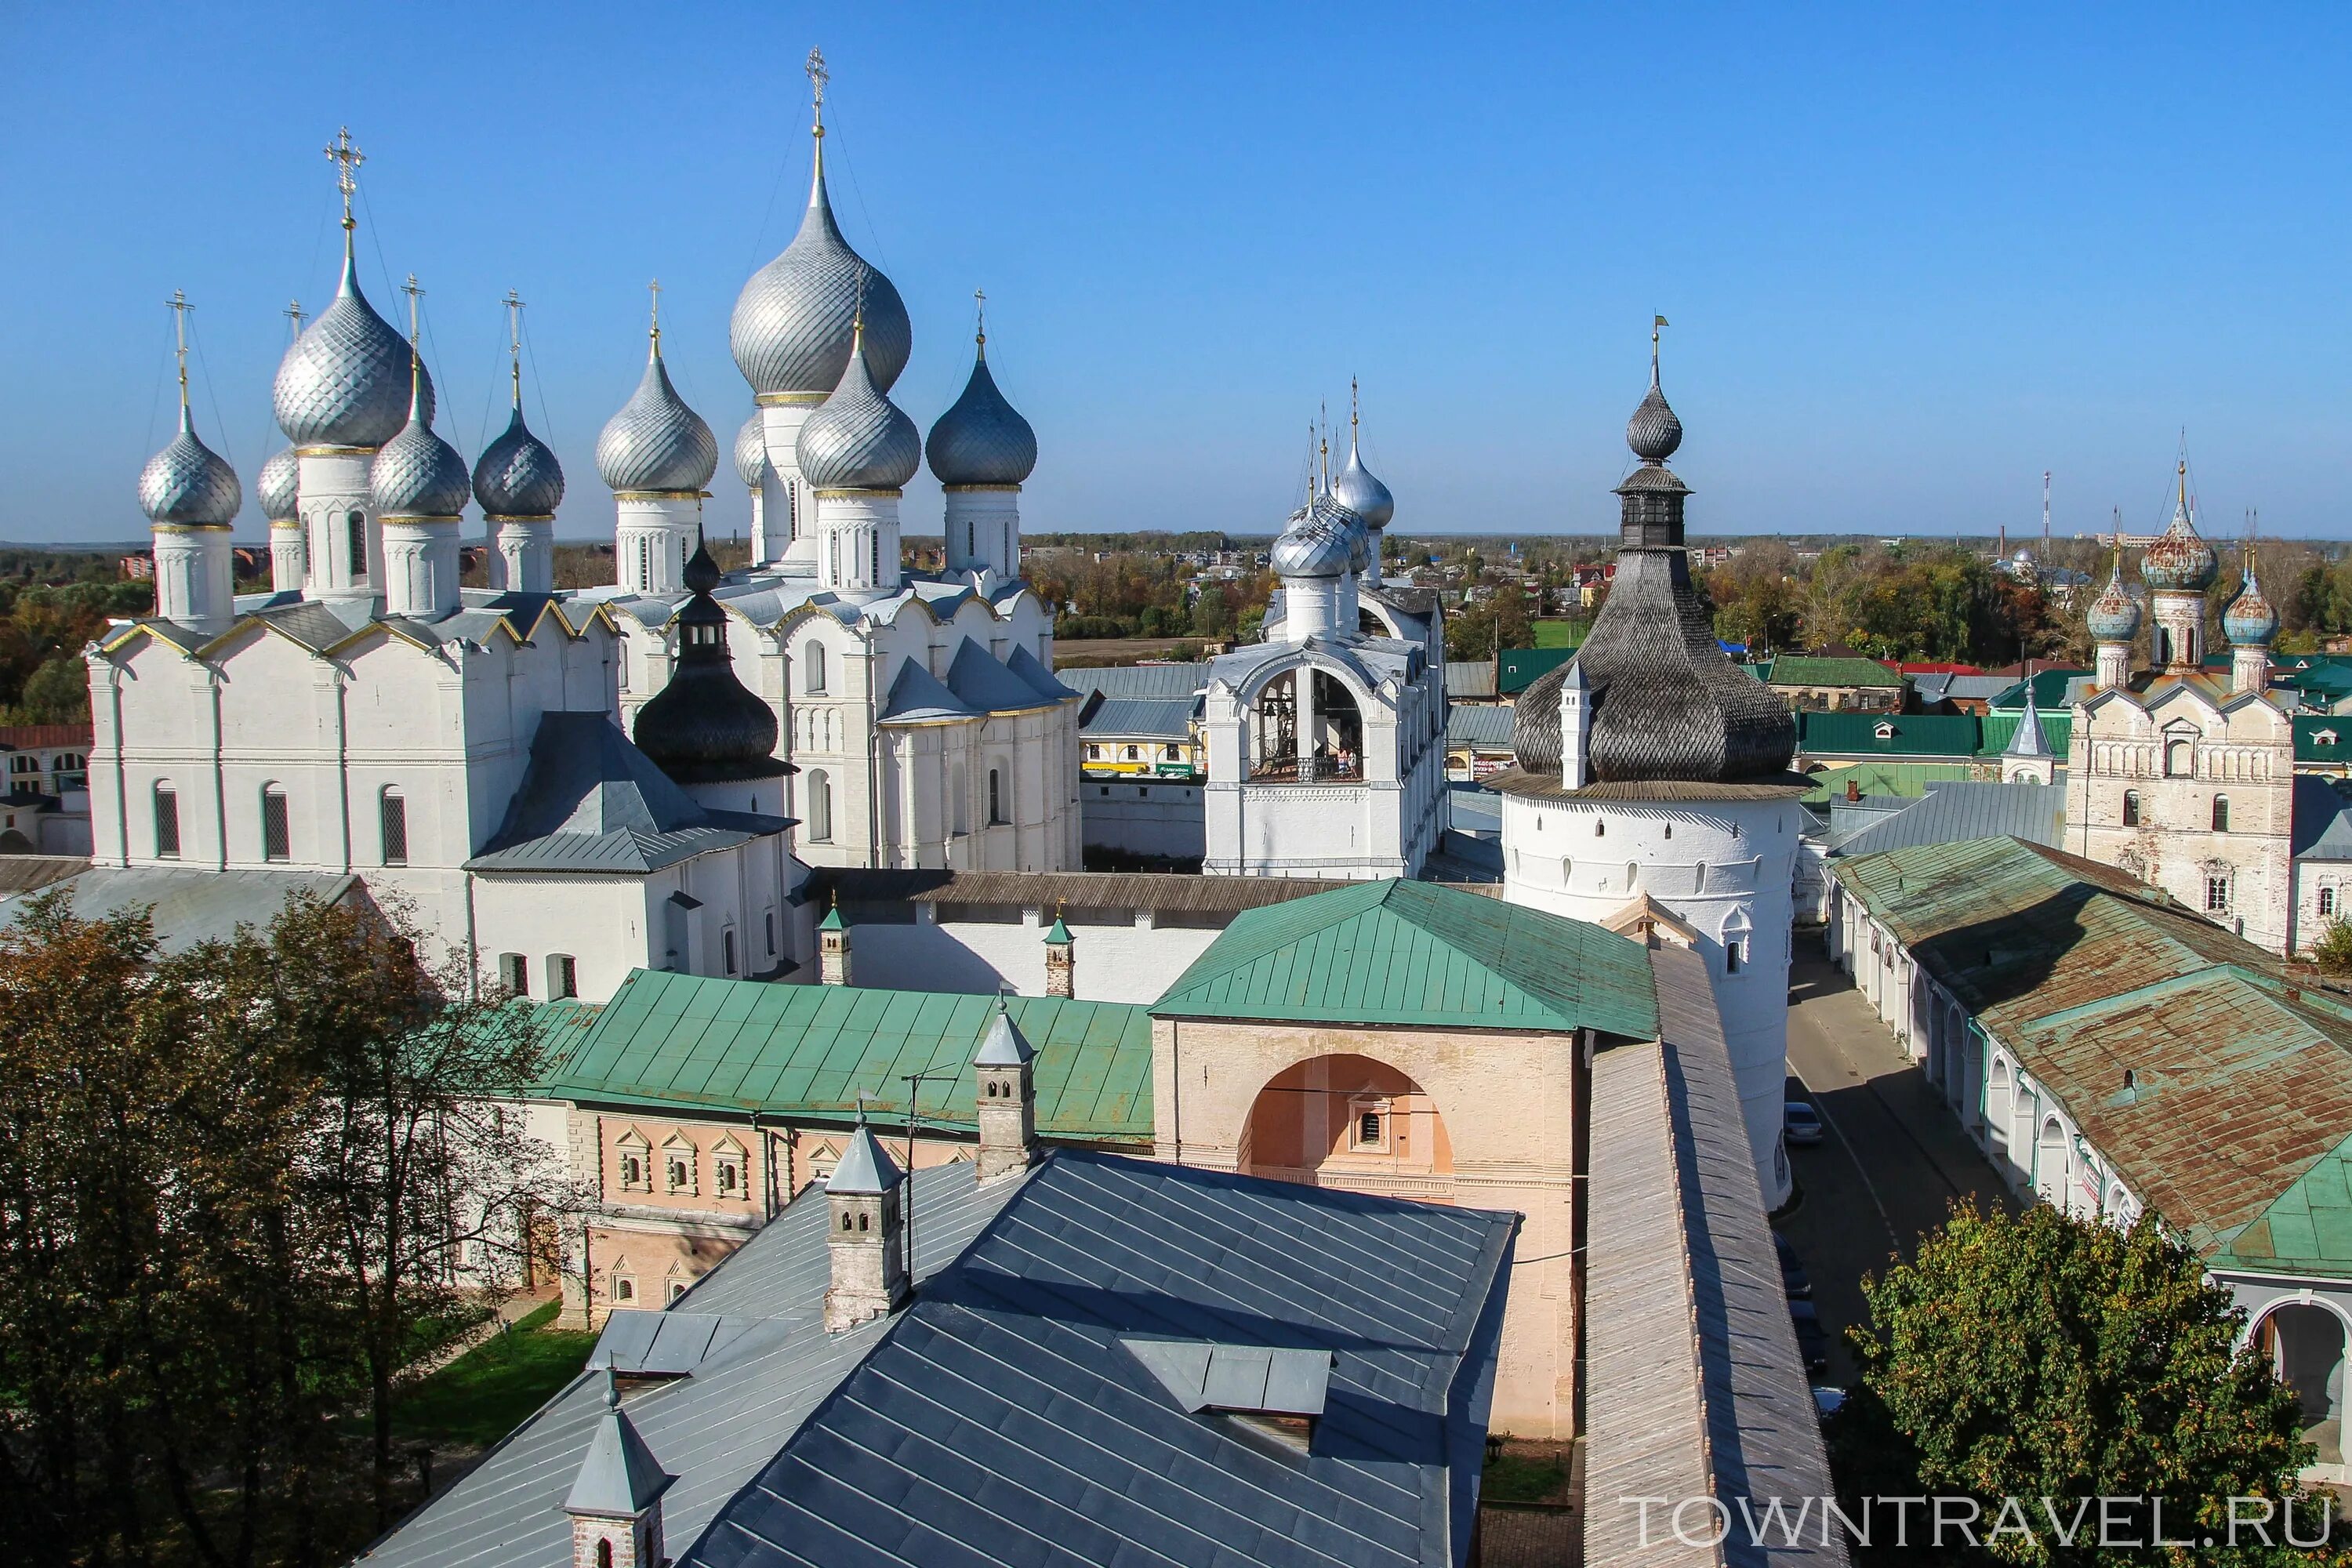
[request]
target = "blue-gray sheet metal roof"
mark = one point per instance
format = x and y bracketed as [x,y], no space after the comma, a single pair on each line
[2323,823]
[1025,665]
[1159,680]
[1149,718]
[917,696]
[1694,1388]
[1469,726]
[1956,810]
[712,1430]
[1470,677]
[192,904]
[985,685]
[1002,1421]
[590,802]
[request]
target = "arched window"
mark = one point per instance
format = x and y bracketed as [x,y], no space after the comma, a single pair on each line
[995,798]
[1631,873]
[2327,900]
[2221,813]
[2131,809]
[645,561]
[727,948]
[2179,759]
[276,838]
[1698,877]
[562,975]
[820,808]
[813,668]
[1600,829]
[392,821]
[355,530]
[603,1552]
[167,822]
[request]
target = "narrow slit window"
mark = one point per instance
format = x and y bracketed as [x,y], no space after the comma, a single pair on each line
[275,835]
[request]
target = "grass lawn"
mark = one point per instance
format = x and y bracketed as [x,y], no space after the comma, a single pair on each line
[485,1393]
[1560,633]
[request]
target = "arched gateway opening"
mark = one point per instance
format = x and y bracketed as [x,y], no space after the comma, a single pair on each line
[1348,1121]
[2306,1344]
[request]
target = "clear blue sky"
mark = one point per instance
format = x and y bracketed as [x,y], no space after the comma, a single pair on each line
[1910,260]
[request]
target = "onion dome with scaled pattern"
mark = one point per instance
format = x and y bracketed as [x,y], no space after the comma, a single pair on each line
[2180,562]
[981,440]
[1313,546]
[280,488]
[189,485]
[517,475]
[345,382]
[2251,621]
[751,465]
[2115,615]
[656,444]
[416,473]
[859,440]
[793,321]
[705,727]
[1668,705]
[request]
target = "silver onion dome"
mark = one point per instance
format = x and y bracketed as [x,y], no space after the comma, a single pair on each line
[655,442]
[416,473]
[1326,511]
[1312,546]
[792,323]
[2115,615]
[859,440]
[981,440]
[1356,487]
[189,484]
[751,465]
[345,381]
[280,486]
[517,475]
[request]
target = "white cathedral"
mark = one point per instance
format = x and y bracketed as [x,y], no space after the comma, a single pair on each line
[469,751]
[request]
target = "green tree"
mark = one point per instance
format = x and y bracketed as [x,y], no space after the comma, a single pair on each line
[2041,1356]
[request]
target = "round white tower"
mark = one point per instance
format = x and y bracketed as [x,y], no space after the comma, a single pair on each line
[656,453]
[191,496]
[1676,817]
[857,452]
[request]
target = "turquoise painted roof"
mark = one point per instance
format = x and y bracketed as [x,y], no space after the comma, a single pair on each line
[2311,742]
[1906,779]
[2057,728]
[687,1042]
[2049,692]
[1516,668]
[2307,1230]
[1412,952]
[1956,736]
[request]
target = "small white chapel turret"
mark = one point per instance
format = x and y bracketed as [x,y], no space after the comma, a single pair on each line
[191,497]
[858,451]
[2250,623]
[656,453]
[1575,728]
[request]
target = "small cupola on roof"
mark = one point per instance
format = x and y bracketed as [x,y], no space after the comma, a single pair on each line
[189,485]
[517,475]
[191,496]
[656,444]
[1312,545]
[2251,621]
[345,382]
[793,324]
[615,1497]
[981,440]
[859,440]
[705,726]
[1666,703]
[863,1228]
[416,473]
[280,488]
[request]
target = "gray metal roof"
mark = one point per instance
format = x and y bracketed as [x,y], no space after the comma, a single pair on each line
[1469,726]
[192,904]
[915,695]
[984,684]
[1695,1386]
[1156,717]
[1002,1420]
[1470,678]
[1159,680]
[590,802]
[2322,820]
[713,1430]
[868,893]
[1954,811]
[1977,688]
[866,1167]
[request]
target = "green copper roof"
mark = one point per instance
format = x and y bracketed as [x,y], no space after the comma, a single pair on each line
[1996,729]
[1954,735]
[2307,1230]
[685,1042]
[2049,692]
[1413,953]
[1907,779]
[1809,669]
[1057,931]
[2321,738]
[1516,668]
[832,921]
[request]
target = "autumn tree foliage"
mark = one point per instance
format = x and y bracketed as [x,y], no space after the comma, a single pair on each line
[239,1184]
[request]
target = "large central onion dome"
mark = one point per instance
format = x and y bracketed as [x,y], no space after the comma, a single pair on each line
[705,727]
[751,465]
[981,440]
[2251,621]
[2115,615]
[793,321]
[189,485]
[2180,562]
[1314,544]
[345,381]
[655,443]
[416,473]
[517,475]
[279,489]
[859,440]
[1668,704]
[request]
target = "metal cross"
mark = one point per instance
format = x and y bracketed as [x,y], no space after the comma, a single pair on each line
[513,303]
[293,313]
[415,293]
[654,287]
[980,317]
[180,309]
[347,158]
[818,76]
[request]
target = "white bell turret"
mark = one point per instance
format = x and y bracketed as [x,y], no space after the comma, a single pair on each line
[191,497]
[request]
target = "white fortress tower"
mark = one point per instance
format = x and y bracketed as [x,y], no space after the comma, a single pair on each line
[1653,794]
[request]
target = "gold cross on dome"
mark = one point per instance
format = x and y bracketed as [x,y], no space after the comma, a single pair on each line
[818,76]
[347,157]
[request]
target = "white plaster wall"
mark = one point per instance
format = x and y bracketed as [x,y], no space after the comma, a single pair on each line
[600,921]
[1112,963]
[1572,857]
[1144,819]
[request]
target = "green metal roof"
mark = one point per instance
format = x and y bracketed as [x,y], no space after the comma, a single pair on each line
[685,1042]
[1516,668]
[1995,730]
[1957,736]
[2310,745]
[2307,1230]
[1906,779]
[1813,670]
[1412,952]
[2049,692]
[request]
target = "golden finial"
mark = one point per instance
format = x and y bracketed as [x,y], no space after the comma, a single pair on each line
[1323,446]
[180,309]
[818,76]
[513,302]
[346,156]
[980,320]
[1354,412]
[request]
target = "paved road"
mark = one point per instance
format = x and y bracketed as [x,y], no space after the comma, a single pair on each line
[1894,1157]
